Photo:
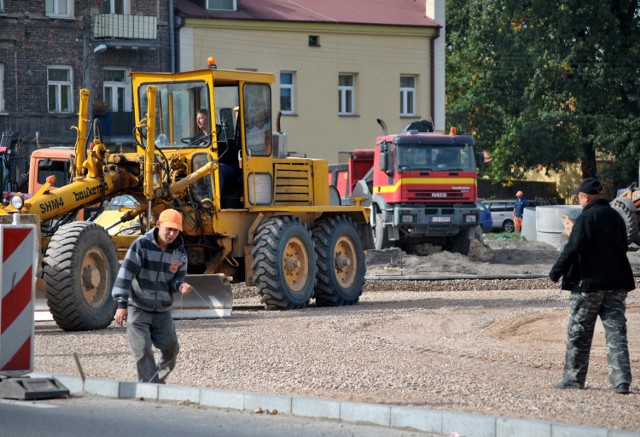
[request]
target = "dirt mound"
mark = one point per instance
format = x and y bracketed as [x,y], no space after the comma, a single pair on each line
[498,257]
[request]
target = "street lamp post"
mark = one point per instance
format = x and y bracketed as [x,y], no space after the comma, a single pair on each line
[86,80]
[87,53]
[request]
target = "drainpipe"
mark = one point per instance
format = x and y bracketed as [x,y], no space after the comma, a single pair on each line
[172,48]
[435,9]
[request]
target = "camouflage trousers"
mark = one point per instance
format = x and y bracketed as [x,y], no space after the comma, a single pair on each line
[585,309]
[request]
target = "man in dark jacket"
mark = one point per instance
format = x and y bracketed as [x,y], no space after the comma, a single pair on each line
[152,271]
[595,267]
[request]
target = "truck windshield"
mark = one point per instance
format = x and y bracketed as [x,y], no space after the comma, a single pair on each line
[435,157]
[183,113]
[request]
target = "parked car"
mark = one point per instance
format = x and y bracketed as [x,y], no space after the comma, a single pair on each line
[485,217]
[501,214]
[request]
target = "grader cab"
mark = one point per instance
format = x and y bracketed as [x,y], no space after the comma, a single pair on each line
[251,212]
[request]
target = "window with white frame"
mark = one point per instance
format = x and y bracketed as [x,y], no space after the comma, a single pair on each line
[121,7]
[2,87]
[287,92]
[346,94]
[116,89]
[59,83]
[407,95]
[222,5]
[59,8]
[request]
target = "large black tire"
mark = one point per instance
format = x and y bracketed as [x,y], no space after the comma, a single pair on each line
[627,210]
[80,267]
[380,234]
[461,243]
[341,262]
[284,263]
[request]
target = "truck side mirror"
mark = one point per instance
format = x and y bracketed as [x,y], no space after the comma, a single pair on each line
[480,159]
[386,160]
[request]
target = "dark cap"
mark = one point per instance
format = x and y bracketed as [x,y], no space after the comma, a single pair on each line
[589,186]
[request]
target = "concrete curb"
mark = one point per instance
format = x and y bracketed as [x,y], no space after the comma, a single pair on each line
[393,416]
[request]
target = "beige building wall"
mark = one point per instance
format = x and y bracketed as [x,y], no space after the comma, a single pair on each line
[565,180]
[376,55]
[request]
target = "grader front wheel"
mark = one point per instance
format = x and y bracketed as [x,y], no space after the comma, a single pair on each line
[80,267]
[284,263]
[341,263]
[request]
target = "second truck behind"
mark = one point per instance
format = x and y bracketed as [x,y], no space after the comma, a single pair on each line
[423,185]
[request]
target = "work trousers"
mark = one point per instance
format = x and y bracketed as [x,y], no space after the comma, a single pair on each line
[517,224]
[585,309]
[145,329]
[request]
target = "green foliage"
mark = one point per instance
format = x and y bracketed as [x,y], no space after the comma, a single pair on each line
[503,236]
[546,82]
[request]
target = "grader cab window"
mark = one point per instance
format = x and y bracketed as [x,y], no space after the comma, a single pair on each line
[183,114]
[257,118]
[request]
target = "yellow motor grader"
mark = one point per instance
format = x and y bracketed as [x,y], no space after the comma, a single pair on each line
[274,224]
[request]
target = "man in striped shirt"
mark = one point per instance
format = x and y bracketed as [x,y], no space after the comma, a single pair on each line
[151,273]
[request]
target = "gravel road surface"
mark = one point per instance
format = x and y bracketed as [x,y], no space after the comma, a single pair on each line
[483,346]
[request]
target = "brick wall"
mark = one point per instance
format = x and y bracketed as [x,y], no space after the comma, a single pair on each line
[30,42]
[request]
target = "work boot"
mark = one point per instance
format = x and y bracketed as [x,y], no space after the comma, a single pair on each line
[622,389]
[567,384]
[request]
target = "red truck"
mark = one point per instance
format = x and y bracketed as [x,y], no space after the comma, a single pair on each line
[423,184]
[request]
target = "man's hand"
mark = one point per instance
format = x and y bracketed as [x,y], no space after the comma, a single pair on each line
[185,288]
[121,316]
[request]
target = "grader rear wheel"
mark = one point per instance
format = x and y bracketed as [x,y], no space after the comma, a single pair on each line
[627,211]
[341,263]
[80,267]
[284,263]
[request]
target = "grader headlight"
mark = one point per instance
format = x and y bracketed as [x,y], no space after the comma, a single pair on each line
[17,202]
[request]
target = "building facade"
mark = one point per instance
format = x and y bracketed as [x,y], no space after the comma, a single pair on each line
[50,49]
[339,65]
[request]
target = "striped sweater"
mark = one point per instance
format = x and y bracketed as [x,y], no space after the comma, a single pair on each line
[149,276]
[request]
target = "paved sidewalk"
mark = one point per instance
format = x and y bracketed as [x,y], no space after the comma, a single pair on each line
[393,416]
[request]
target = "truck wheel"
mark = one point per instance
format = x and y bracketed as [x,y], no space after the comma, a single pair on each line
[508,226]
[80,267]
[380,235]
[284,263]
[341,263]
[627,210]
[461,243]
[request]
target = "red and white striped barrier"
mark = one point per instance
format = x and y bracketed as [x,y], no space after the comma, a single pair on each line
[17,276]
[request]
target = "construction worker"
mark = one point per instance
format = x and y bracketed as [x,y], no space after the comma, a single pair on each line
[151,273]
[595,268]
[518,210]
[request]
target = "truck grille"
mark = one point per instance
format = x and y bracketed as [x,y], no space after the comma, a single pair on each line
[429,194]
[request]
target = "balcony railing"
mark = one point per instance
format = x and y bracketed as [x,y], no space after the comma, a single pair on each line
[117,123]
[125,26]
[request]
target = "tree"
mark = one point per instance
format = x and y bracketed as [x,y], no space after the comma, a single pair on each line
[545,82]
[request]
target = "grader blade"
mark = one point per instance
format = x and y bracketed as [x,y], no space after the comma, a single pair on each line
[212,298]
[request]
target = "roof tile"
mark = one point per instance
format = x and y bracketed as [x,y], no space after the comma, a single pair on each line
[376,12]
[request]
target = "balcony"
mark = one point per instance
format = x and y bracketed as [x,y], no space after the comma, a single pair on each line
[125,27]
[117,124]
